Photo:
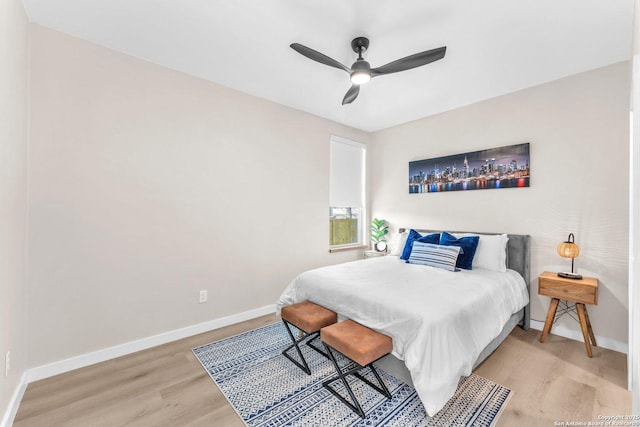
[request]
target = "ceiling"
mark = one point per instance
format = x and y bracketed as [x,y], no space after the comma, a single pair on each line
[493,47]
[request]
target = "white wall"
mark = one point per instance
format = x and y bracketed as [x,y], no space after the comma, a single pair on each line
[578,128]
[14,55]
[148,185]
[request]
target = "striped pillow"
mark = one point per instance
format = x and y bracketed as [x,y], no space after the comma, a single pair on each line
[444,257]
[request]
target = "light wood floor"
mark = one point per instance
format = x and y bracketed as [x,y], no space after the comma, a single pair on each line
[167,386]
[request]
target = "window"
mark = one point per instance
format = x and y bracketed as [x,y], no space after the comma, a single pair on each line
[346,193]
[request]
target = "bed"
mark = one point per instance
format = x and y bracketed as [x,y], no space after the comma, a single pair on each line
[442,323]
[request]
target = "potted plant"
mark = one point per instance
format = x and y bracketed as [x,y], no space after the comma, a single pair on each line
[377,232]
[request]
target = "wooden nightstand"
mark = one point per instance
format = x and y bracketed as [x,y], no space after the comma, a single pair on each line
[581,292]
[374,254]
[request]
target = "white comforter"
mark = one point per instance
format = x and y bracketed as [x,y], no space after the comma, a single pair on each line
[439,320]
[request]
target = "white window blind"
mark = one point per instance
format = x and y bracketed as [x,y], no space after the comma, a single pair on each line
[347,175]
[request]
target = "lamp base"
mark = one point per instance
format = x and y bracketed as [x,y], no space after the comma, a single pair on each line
[573,276]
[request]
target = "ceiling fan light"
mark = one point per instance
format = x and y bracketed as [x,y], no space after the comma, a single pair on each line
[360,77]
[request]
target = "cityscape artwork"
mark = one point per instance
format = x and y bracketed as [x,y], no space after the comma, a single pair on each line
[504,167]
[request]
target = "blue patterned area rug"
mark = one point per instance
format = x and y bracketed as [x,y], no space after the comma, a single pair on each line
[266,389]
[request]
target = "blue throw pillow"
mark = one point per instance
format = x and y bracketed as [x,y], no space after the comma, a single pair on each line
[444,257]
[415,236]
[469,244]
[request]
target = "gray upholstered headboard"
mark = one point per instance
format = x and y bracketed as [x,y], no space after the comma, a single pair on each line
[518,255]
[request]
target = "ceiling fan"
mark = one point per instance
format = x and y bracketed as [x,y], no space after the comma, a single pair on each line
[361,72]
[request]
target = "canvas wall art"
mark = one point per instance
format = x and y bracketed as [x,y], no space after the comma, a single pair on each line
[494,168]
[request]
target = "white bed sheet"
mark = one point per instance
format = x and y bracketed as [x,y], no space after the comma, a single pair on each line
[439,320]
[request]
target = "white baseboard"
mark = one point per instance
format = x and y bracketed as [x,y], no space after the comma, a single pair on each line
[576,334]
[14,403]
[46,371]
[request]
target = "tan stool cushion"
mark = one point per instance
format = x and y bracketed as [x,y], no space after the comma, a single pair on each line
[357,342]
[308,316]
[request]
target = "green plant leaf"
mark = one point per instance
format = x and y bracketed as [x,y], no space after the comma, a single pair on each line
[378,230]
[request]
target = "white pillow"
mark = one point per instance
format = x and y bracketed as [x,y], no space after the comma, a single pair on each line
[438,256]
[491,253]
[396,245]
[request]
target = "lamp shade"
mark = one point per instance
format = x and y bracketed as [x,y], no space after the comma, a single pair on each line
[568,249]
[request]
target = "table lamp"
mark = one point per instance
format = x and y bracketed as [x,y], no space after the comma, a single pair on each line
[569,249]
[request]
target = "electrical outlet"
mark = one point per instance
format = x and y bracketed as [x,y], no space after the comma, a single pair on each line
[203,296]
[7,364]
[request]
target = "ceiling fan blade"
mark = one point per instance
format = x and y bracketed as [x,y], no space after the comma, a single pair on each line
[409,62]
[318,57]
[351,95]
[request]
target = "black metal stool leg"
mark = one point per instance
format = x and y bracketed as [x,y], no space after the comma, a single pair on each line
[382,389]
[311,337]
[315,337]
[355,406]
[304,366]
